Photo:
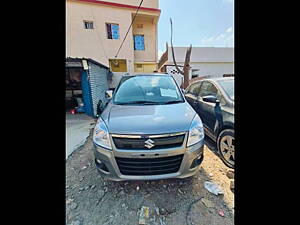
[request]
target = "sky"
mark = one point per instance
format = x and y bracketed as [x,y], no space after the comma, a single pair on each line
[202,23]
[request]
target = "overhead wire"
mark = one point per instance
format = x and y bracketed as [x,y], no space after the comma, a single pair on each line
[129,28]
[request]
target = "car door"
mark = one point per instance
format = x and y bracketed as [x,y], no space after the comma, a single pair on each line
[207,110]
[192,93]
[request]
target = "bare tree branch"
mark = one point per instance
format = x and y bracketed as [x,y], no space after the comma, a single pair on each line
[186,67]
[177,68]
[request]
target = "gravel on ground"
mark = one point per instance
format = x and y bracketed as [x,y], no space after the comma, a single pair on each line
[93,200]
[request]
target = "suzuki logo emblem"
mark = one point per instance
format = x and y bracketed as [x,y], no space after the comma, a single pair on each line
[149,143]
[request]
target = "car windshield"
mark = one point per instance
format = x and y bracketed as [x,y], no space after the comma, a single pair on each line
[147,89]
[228,87]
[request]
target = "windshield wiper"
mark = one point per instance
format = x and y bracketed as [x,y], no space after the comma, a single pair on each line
[148,102]
[172,102]
[138,102]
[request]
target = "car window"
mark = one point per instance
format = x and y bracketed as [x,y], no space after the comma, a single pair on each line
[228,87]
[194,89]
[188,90]
[221,98]
[208,88]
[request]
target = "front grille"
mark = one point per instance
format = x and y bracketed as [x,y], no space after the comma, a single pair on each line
[149,166]
[139,143]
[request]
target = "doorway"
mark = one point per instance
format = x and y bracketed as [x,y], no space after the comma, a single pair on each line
[73,88]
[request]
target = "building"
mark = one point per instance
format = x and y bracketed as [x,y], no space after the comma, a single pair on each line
[205,61]
[96,29]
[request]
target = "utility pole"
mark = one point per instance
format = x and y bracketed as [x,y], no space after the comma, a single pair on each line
[186,67]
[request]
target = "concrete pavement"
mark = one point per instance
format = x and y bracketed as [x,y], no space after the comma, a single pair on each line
[78,128]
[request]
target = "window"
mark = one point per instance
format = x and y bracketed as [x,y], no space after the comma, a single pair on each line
[188,90]
[139,42]
[221,98]
[194,89]
[208,88]
[112,31]
[195,73]
[140,26]
[118,65]
[88,25]
[228,87]
[150,88]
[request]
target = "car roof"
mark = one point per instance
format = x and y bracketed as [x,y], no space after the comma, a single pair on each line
[220,78]
[214,80]
[146,74]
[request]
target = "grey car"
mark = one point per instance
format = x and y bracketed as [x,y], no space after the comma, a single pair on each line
[148,131]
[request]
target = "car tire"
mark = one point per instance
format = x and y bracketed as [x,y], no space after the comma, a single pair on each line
[225,145]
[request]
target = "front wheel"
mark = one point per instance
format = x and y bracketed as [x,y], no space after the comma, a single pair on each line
[225,143]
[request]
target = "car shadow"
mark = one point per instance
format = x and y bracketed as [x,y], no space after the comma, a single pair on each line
[212,146]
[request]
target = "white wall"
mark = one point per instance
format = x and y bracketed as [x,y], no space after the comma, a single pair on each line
[213,61]
[203,54]
[216,69]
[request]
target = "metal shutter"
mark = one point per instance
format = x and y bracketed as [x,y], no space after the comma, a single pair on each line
[99,84]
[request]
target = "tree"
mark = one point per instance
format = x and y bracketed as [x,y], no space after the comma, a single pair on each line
[186,67]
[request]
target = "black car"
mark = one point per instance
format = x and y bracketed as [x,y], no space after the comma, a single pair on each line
[213,100]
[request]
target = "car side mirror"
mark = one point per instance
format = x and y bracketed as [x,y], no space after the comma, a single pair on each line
[108,94]
[211,99]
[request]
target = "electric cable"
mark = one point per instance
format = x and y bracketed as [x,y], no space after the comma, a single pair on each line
[129,28]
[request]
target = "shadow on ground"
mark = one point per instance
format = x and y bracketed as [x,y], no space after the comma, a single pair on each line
[211,145]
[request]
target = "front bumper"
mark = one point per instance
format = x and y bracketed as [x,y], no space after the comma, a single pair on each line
[192,158]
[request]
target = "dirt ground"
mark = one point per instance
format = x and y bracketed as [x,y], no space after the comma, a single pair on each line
[92,200]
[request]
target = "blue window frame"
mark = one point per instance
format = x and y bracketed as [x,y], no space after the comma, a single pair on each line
[112,31]
[139,42]
[115,31]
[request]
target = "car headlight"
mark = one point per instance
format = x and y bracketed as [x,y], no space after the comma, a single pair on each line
[196,133]
[100,136]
